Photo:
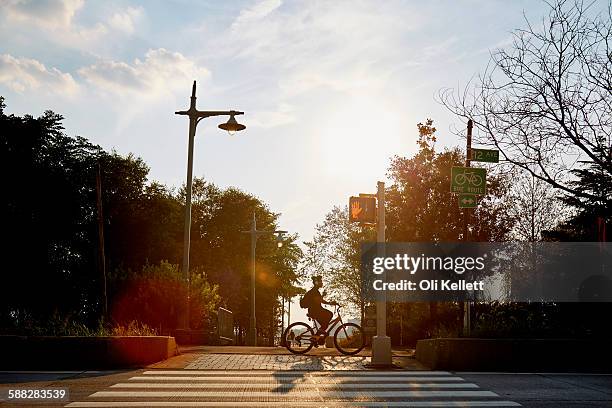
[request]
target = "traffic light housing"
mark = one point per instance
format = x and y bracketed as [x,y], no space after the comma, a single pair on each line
[362,209]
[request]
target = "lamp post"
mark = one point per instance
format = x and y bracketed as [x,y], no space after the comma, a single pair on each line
[252,333]
[231,126]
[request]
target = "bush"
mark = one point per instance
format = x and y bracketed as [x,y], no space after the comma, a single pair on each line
[156,294]
[134,328]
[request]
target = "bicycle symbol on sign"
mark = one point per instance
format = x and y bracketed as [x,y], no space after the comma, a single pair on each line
[469,177]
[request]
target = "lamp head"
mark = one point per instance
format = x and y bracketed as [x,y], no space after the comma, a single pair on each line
[232,126]
[279,239]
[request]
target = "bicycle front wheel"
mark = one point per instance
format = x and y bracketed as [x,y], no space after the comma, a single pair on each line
[301,341]
[349,339]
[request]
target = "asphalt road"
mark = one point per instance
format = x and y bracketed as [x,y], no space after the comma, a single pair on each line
[318,388]
[548,389]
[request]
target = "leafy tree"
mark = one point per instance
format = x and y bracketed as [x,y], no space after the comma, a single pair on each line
[420,207]
[49,214]
[335,252]
[220,247]
[591,217]
[46,214]
[154,294]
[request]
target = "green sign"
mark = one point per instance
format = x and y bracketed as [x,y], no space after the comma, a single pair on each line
[468,180]
[484,155]
[468,201]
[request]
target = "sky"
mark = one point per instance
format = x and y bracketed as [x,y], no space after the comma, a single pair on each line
[330,89]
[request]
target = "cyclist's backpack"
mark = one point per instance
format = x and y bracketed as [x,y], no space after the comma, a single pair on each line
[306,300]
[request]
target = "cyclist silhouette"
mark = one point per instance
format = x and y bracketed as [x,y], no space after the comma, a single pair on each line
[315,302]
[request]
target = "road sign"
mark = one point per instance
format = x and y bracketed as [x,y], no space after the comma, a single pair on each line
[468,201]
[468,180]
[484,155]
[362,209]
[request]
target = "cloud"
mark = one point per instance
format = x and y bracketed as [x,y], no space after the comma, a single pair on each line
[24,74]
[47,13]
[124,21]
[256,12]
[160,72]
[283,115]
[56,21]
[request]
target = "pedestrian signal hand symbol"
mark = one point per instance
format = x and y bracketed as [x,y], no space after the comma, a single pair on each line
[356,209]
[362,209]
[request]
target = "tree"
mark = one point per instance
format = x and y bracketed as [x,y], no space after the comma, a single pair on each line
[334,253]
[220,248]
[545,102]
[49,215]
[591,217]
[420,207]
[535,206]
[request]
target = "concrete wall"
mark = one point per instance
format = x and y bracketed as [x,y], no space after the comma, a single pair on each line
[464,354]
[72,352]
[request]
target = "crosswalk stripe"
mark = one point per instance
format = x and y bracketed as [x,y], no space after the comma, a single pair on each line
[303,394]
[291,378]
[344,373]
[294,404]
[300,385]
[267,388]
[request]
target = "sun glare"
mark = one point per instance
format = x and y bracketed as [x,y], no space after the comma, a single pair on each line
[359,137]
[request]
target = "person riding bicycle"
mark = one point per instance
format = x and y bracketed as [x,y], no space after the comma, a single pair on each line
[315,308]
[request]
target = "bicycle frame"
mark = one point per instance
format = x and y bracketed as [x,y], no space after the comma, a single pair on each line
[332,322]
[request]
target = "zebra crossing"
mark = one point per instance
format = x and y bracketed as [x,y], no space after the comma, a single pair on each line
[260,388]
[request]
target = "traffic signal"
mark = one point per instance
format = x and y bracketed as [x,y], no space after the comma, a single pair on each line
[362,209]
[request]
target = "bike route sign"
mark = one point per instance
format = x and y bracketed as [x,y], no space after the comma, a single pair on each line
[468,180]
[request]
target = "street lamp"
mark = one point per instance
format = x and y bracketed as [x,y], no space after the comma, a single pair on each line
[195,116]
[252,333]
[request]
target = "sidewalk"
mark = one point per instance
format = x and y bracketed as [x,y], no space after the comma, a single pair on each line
[276,358]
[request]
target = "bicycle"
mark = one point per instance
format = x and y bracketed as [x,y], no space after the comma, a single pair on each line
[349,338]
[469,177]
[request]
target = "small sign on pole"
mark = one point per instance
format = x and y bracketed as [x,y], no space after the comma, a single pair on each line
[468,180]
[468,201]
[484,155]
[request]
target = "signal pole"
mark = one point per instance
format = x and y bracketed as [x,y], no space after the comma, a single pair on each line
[381,343]
[467,306]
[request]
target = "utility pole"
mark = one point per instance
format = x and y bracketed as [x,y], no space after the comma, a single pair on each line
[251,339]
[101,256]
[252,335]
[381,343]
[467,313]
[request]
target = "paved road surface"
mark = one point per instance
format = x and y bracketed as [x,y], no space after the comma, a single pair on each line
[256,380]
[261,388]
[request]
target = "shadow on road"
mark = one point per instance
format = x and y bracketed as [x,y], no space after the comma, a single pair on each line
[12,377]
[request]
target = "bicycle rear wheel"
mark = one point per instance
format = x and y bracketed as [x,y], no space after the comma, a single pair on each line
[302,340]
[349,339]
